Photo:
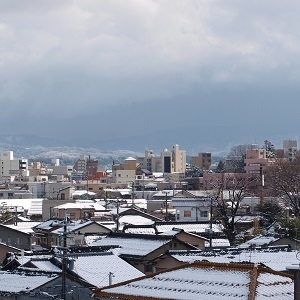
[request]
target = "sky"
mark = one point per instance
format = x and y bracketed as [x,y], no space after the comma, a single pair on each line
[154,73]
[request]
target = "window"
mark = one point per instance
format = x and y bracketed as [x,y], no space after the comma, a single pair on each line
[148,268]
[10,194]
[204,214]
[70,215]
[187,213]
[9,241]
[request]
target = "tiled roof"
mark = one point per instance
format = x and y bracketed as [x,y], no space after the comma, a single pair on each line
[25,227]
[95,269]
[203,280]
[21,282]
[133,245]
[274,258]
[188,227]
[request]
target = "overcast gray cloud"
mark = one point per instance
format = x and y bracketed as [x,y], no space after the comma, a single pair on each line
[94,64]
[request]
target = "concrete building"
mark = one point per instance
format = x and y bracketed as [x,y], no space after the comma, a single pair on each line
[256,159]
[10,166]
[124,173]
[202,161]
[179,159]
[290,149]
[80,164]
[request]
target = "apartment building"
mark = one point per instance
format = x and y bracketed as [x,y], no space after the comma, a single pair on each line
[10,166]
[290,149]
[169,161]
[256,159]
[202,161]
[124,173]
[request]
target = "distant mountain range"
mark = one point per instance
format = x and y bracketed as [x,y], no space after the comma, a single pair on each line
[106,150]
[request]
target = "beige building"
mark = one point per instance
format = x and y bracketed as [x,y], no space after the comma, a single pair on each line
[10,166]
[179,159]
[168,162]
[124,173]
[202,161]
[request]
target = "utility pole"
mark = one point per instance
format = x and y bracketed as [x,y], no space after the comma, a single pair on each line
[117,214]
[132,193]
[64,262]
[210,223]
[167,217]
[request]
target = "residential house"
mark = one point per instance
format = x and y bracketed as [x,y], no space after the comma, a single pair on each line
[139,249]
[16,236]
[28,284]
[95,267]
[274,257]
[77,232]
[205,280]
[78,210]
[49,233]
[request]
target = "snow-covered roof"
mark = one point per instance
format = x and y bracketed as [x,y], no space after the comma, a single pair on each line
[43,264]
[189,227]
[25,227]
[50,224]
[272,257]
[33,206]
[218,243]
[169,193]
[21,282]
[140,230]
[259,241]
[83,192]
[108,224]
[80,205]
[134,220]
[72,227]
[207,281]
[95,269]
[133,245]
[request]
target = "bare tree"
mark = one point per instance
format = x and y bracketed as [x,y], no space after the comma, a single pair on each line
[283,179]
[229,191]
[235,158]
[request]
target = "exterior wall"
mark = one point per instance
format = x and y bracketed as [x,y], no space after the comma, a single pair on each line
[192,240]
[48,205]
[15,238]
[10,166]
[124,173]
[80,164]
[179,158]
[193,214]
[124,176]
[290,149]
[202,161]
[166,262]
[4,249]
[73,214]
[147,260]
